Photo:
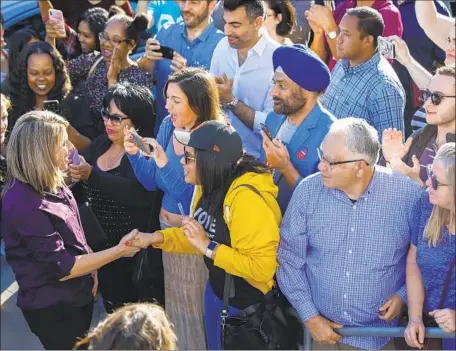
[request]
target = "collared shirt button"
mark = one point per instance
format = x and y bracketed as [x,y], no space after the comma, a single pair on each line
[345,296]
[352,229]
[350,251]
[347,274]
[354,207]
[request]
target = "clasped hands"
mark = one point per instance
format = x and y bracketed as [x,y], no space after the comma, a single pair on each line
[193,231]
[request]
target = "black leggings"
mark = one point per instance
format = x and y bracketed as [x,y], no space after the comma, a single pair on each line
[59,327]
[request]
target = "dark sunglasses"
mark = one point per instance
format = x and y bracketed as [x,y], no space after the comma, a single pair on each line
[436,98]
[114,118]
[188,157]
[433,178]
[322,157]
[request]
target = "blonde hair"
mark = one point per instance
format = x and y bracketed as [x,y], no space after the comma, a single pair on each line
[4,102]
[31,154]
[441,217]
[139,326]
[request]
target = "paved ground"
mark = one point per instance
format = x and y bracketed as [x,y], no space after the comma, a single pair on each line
[15,333]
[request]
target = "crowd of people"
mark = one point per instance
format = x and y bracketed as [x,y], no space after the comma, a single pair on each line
[124,178]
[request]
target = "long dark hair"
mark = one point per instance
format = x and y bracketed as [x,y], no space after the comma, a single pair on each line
[137,103]
[201,90]
[286,9]
[17,42]
[96,19]
[22,97]
[215,175]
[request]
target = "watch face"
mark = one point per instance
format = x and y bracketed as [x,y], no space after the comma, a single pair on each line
[332,35]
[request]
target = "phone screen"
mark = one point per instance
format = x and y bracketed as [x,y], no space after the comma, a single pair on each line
[52,105]
[386,48]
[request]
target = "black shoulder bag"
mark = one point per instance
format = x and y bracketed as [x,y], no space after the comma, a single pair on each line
[262,326]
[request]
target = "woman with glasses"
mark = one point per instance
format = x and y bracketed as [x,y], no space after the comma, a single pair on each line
[431,278]
[234,222]
[280,20]
[117,198]
[418,152]
[102,70]
[45,243]
[191,99]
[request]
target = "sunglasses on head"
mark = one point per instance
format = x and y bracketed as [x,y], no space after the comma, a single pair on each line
[114,118]
[436,98]
[433,178]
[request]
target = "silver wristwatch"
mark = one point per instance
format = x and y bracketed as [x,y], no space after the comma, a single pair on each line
[232,104]
[332,34]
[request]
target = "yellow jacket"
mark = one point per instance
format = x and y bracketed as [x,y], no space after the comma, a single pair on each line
[253,223]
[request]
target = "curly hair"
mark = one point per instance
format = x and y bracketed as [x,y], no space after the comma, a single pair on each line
[22,97]
[139,326]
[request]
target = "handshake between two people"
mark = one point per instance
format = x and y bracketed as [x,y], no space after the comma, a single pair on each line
[193,231]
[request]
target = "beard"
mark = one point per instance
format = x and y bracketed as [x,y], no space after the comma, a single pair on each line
[197,18]
[291,105]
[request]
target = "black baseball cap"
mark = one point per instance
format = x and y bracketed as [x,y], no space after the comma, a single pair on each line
[213,136]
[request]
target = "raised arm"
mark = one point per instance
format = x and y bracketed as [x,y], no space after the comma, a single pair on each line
[436,26]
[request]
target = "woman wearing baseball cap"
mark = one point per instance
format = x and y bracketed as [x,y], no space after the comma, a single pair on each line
[234,221]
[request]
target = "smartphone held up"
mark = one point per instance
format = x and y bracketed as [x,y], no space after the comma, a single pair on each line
[56,16]
[386,48]
[137,140]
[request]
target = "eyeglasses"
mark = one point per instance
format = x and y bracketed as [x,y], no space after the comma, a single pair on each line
[322,158]
[114,118]
[188,157]
[436,98]
[433,178]
[114,41]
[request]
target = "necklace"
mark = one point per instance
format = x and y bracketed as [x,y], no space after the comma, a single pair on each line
[109,163]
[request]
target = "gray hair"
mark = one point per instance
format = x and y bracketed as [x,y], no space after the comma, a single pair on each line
[360,138]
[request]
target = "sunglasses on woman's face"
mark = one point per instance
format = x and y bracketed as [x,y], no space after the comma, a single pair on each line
[433,178]
[436,98]
[114,118]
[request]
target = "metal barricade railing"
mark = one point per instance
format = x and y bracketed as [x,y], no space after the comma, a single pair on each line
[379,331]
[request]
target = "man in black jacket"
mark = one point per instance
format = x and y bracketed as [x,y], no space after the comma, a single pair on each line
[413,157]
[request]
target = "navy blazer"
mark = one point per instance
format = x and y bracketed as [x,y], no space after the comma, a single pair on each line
[302,146]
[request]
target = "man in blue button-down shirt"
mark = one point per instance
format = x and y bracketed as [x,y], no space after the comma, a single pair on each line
[363,83]
[345,237]
[193,42]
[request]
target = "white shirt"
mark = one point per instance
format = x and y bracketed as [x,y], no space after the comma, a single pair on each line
[252,85]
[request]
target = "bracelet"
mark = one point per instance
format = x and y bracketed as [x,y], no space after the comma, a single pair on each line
[232,104]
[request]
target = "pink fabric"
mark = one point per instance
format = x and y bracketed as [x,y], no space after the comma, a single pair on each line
[389,12]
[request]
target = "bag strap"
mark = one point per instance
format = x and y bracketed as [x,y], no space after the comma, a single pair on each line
[446,285]
[92,69]
[228,287]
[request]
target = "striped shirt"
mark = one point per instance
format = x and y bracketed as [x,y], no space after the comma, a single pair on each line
[419,119]
[344,260]
[370,90]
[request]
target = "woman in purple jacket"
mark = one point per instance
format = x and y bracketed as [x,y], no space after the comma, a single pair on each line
[44,240]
